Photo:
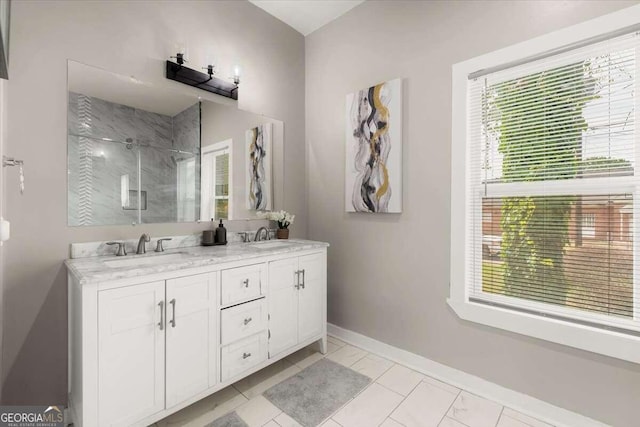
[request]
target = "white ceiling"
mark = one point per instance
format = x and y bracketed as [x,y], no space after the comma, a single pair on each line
[306,16]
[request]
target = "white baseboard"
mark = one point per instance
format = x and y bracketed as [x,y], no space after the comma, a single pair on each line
[520,402]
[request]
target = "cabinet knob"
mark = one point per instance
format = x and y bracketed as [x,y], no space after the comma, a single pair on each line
[246,355]
[247,321]
[246,283]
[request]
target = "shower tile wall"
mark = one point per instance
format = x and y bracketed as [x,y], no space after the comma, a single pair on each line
[186,129]
[96,167]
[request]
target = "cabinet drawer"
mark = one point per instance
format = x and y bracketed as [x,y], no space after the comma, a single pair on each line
[243,320]
[243,355]
[241,284]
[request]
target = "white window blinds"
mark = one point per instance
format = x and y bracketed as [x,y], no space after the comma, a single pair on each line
[552,193]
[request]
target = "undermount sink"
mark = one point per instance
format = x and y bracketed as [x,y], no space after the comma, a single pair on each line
[270,244]
[147,260]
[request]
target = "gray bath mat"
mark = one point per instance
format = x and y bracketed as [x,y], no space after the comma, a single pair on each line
[230,420]
[316,392]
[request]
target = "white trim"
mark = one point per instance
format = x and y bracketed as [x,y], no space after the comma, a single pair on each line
[521,402]
[560,187]
[218,146]
[636,207]
[610,343]
[207,197]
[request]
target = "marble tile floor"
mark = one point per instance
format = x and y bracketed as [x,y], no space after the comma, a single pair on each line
[396,397]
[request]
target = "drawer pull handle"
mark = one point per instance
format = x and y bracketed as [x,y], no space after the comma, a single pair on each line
[303,279]
[297,285]
[161,324]
[173,320]
[246,355]
[246,283]
[247,321]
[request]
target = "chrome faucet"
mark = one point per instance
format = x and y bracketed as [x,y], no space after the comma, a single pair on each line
[142,244]
[259,232]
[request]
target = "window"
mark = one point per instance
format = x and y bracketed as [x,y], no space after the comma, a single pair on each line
[589,226]
[215,192]
[550,153]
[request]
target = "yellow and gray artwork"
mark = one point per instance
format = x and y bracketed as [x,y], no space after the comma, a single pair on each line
[373,179]
[259,167]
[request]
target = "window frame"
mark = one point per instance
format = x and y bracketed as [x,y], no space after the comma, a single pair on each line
[215,150]
[610,342]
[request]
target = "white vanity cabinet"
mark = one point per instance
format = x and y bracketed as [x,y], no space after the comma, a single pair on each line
[145,346]
[131,353]
[297,295]
[156,344]
[191,336]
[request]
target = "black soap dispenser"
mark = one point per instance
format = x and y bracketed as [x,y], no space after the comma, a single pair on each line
[209,236]
[221,234]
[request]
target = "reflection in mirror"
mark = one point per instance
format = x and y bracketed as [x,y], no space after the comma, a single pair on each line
[133,150]
[242,163]
[139,153]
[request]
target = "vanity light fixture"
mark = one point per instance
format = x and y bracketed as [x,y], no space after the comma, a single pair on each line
[179,58]
[178,72]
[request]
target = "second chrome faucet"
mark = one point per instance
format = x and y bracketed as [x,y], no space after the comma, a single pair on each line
[142,244]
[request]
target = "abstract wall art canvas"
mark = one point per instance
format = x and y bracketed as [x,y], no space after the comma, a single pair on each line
[259,195]
[373,178]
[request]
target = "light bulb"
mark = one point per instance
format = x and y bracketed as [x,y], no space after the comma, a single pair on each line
[236,74]
[211,59]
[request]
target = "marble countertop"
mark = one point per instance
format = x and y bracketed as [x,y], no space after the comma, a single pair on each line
[96,269]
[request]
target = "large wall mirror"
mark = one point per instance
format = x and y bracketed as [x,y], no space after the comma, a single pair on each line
[139,153]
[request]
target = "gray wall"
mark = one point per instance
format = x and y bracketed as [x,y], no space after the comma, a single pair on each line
[389,274]
[130,38]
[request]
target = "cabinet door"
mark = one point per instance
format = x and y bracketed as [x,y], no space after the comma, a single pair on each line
[311,296]
[283,305]
[130,353]
[191,336]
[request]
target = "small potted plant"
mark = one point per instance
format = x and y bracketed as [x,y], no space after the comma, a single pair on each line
[284,219]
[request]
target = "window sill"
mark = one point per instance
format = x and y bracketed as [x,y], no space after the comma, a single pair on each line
[609,343]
